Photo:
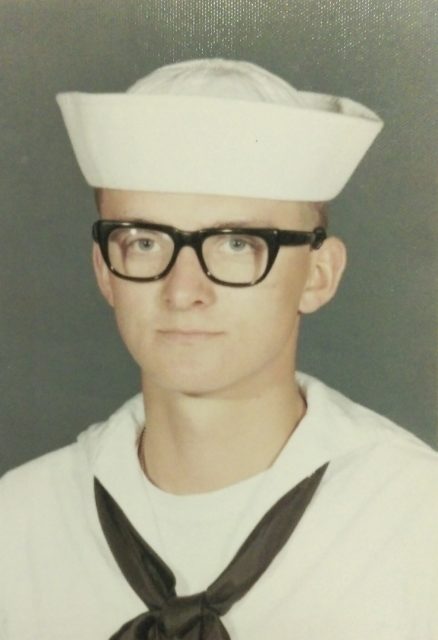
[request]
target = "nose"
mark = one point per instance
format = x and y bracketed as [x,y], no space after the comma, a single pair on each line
[187,285]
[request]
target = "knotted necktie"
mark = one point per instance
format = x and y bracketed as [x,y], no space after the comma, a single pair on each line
[196,617]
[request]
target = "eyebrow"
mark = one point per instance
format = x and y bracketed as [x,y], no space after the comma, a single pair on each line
[253,224]
[223,224]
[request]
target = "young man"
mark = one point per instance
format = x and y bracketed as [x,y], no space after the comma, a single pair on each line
[234,498]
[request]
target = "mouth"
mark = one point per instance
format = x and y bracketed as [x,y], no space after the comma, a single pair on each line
[182,335]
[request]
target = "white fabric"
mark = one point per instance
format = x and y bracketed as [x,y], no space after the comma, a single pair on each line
[219,127]
[220,78]
[362,564]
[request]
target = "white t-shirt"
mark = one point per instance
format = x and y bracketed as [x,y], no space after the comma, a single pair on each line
[362,563]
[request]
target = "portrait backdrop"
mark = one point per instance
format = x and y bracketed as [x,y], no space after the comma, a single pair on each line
[63,366]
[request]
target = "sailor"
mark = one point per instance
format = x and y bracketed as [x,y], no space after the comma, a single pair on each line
[234,497]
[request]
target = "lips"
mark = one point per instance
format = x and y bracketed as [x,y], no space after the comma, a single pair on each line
[188,334]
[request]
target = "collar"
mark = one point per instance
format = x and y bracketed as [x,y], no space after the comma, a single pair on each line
[332,427]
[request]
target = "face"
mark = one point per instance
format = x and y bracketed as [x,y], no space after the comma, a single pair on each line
[193,336]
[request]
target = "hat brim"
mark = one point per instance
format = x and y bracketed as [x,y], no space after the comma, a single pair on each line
[206,145]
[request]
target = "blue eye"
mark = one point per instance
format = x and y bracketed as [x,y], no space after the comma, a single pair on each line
[143,244]
[238,244]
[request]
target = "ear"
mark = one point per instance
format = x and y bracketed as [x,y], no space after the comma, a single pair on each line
[326,269]
[103,276]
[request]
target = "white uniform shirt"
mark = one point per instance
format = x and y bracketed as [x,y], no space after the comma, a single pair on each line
[362,563]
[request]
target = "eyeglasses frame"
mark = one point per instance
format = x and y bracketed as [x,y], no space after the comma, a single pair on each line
[274,238]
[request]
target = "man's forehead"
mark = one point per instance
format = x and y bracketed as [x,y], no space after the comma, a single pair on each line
[201,210]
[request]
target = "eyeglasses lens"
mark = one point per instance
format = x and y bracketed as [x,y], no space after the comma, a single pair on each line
[139,253]
[235,258]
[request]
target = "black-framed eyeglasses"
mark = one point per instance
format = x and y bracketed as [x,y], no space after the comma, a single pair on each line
[234,257]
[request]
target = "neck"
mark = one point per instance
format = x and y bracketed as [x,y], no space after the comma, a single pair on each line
[196,444]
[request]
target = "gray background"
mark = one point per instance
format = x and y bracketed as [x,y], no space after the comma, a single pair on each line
[62,365]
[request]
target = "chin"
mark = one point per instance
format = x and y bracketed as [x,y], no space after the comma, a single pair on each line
[191,380]
[192,385]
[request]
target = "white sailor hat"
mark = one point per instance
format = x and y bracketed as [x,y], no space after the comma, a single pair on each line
[214,126]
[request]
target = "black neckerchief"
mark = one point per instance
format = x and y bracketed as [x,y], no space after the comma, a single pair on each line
[196,617]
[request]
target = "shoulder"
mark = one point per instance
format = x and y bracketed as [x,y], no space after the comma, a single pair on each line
[38,490]
[64,467]
[382,481]
[330,405]
[47,484]
[32,494]
[363,437]
[37,472]
[45,505]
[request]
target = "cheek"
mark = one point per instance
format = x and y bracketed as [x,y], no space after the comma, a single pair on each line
[268,317]
[279,315]
[133,310]
[285,286]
